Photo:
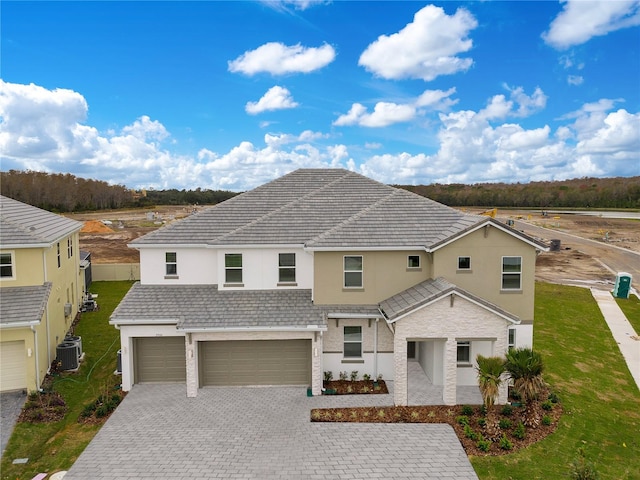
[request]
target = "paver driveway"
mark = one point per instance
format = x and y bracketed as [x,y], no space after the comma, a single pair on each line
[261,433]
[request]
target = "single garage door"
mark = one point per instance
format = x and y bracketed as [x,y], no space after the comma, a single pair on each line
[255,362]
[13,366]
[160,360]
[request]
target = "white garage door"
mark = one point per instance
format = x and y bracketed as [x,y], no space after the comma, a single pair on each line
[13,366]
[160,360]
[255,362]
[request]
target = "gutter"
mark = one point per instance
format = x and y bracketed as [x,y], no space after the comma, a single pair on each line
[31,324]
[308,328]
[35,347]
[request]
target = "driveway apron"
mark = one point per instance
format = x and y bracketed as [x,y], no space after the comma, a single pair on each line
[11,404]
[261,433]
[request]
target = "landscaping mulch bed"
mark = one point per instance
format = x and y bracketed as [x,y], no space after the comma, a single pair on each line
[45,407]
[456,416]
[100,410]
[355,387]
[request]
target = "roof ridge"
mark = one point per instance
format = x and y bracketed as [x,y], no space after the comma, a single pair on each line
[271,213]
[355,216]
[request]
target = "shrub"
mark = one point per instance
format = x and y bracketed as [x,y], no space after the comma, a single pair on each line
[469,433]
[520,432]
[506,410]
[343,375]
[467,410]
[328,376]
[379,377]
[482,421]
[366,377]
[553,397]
[505,443]
[88,410]
[33,395]
[102,411]
[505,423]
[483,444]
[546,420]
[354,375]
[582,469]
[462,420]
[547,405]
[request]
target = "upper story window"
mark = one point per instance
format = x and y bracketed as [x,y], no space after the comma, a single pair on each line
[353,271]
[413,261]
[464,263]
[464,352]
[512,338]
[233,268]
[6,265]
[353,342]
[59,261]
[171,263]
[69,247]
[286,268]
[511,273]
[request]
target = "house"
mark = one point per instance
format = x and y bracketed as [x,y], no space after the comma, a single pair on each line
[325,270]
[40,290]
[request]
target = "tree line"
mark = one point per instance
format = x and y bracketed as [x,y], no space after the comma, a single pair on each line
[67,193]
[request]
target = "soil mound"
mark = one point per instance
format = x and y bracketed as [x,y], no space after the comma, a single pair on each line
[95,226]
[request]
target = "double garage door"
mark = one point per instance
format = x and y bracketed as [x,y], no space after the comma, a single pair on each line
[241,362]
[255,362]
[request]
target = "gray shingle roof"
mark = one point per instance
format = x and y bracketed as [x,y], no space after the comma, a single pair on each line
[320,208]
[22,225]
[21,306]
[194,307]
[428,291]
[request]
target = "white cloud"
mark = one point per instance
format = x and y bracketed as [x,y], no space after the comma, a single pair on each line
[276,98]
[279,59]
[582,20]
[575,80]
[425,48]
[285,5]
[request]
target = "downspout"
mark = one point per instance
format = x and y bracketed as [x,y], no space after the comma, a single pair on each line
[375,350]
[46,312]
[35,348]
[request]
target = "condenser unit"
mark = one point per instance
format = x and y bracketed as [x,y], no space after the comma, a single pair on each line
[67,355]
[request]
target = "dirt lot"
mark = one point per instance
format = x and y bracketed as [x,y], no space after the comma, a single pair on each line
[573,261]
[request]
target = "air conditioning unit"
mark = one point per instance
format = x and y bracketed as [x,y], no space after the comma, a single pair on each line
[77,341]
[67,355]
[67,309]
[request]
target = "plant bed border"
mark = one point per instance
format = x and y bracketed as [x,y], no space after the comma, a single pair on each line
[355,387]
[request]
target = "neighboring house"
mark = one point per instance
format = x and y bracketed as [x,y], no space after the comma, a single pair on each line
[40,290]
[325,270]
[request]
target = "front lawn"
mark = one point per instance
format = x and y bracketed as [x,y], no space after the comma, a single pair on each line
[600,399]
[56,446]
[631,309]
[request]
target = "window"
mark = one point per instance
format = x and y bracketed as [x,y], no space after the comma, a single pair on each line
[171,262]
[58,245]
[6,265]
[464,352]
[287,267]
[464,263]
[233,268]
[413,261]
[511,273]
[352,342]
[353,271]
[69,247]
[512,338]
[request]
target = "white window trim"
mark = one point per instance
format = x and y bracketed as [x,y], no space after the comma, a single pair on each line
[167,263]
[461,343]
[287,267]
[418,267]
[344,272]
[344,341]
[59,256]
[511,344]
[13,265]
[69,247]
[459,268]
[503,273]
[226,269]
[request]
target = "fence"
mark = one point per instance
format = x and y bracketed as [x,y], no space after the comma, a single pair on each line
[115,271]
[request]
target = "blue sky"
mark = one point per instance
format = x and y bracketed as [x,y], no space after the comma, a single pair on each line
[229,95]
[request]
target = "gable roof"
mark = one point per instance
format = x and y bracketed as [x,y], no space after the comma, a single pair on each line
[320,209]
[429,291]
[23,306]
[24,226]
[204,307]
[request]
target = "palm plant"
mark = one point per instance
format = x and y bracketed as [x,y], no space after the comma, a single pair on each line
[525,369]
[490,370]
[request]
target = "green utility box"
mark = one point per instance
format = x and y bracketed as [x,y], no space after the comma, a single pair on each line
[623,285]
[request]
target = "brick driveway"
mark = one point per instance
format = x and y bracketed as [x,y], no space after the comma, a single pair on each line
[261,433]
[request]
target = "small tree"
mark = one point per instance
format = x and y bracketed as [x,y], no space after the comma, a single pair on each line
[525,368]
[490,370]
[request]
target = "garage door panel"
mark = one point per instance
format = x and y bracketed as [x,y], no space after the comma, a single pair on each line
[255,362]
[160,360]
[13,366]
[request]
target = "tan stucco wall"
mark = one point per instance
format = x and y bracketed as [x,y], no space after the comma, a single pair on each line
[334,336]
[28,267]
[484,279]
[385,273]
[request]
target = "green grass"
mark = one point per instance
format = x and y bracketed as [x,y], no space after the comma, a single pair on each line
[600,398]
[631,308]
[56,446]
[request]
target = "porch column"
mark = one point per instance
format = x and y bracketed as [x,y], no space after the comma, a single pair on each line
[400,382]
[192,372]
[316,364]
[450,371]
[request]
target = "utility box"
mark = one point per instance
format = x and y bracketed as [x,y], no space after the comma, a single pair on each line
[623,285]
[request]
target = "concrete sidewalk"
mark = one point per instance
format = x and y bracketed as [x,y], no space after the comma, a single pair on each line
[623,333]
